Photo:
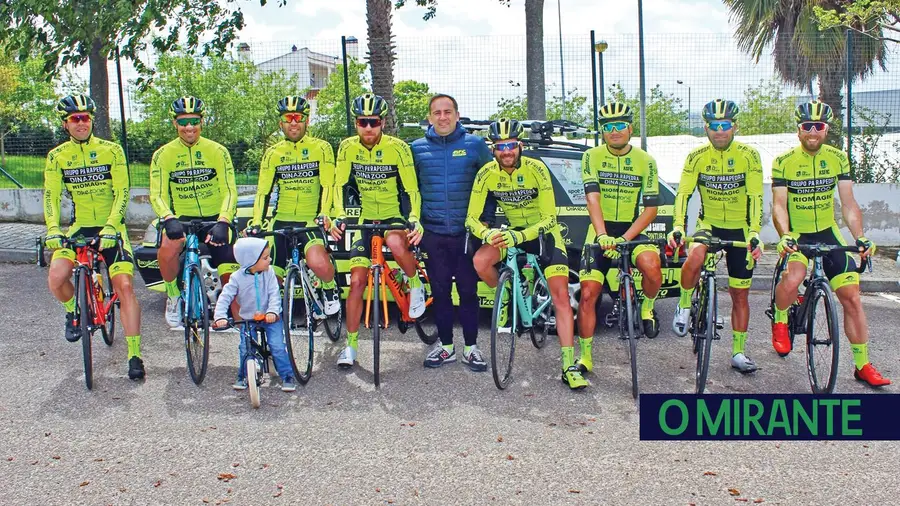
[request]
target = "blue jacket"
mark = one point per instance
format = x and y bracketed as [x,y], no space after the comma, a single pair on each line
[445,169]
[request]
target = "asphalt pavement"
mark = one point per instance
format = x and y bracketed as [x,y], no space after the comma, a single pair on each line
[444,436]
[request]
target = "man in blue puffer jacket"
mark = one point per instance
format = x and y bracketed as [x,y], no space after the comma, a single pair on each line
[446,160]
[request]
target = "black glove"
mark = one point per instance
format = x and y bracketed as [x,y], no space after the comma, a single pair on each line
[219,233]
[253,230]
[174,229]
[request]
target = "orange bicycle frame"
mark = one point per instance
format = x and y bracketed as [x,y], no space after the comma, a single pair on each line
[388,282]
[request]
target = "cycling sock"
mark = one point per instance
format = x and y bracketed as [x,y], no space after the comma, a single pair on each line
[329,285]
[860,354]
[69,305]
[134,346]
[353,339]
[737,342]
[466,350]
[568,356]
[414,281]
[780,315]
[585,344]
[172,288]
[684,302]
[647,308]
[448,347]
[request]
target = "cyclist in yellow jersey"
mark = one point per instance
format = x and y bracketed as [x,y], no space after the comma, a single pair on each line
[192,178]
[93,172]
[300,168]
[523,189]
[382,167]
[618,178]
[728,176]
[803,184]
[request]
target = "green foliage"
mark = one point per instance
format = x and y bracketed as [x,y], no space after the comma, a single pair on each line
[431,6]
[858,14]
[665,113]
[330,119]
[573,109]
[873,162]
[411,105]
[765,111]
[26,99]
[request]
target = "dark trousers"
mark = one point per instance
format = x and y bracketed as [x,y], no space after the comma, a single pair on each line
[445,261]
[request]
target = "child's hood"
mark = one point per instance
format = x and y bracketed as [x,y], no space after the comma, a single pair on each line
[248,250]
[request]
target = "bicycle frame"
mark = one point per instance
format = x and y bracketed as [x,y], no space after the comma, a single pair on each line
[88,259]
[521,305]
[390,282]
[257,344]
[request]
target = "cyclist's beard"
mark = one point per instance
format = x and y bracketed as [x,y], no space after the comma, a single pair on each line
[620,145]
[515,161]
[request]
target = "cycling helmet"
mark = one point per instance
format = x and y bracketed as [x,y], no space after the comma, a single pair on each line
[186,105]
[814,111]
[615,111]
[720,109]
[370,105]
[293,104]
[504,128]
[72,104]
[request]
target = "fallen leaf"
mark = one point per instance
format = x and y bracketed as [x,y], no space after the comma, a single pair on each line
[279,486]
[277,494]
[757,501]
[709,473]
[157,484]
[205,500]
[235,464]
[228,491]
[552,424]
[34,463]
[574,491]
[412,424]
[378,490]
[98,459]
[84,484]
[265,466]
[46,434]
[55,457]
[741,499]
[510,457]
[529,395]
[123,489]
[226,477]
[499,439]
[734,491]
[10,459]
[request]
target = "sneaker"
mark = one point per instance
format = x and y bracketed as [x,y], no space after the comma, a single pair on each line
[416,302]
[680,321]
[332,302]
[135,368]
[288,385]
[240,384]
[73,333]
[871,376]
[475,360]
[651,326]
[174,314]
[743,363]
[572,377]
[347,357]
[585,364]
[781,339]
[439,356]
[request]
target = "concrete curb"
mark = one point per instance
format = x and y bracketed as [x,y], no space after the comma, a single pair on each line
[764,283]
[17,256]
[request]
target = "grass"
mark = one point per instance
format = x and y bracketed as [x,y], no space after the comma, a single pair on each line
[29,171]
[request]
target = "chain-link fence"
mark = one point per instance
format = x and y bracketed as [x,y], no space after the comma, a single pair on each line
[487,75]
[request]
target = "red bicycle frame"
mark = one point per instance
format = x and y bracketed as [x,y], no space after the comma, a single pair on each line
[87,257]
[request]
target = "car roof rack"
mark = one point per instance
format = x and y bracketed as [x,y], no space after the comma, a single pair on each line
[540,133]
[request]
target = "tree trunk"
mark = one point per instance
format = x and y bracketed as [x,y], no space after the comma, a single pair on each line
[381,56]
[534,59]
[831,84]
[99,89]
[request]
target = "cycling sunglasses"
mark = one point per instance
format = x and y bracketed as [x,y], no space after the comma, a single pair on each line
[506,146]
[809,126]
[368,122]
[293,117]
[188,121]
[720,126]
[615,126]
[79,118]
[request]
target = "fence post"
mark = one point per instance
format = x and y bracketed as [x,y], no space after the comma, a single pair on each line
[122,109]
[346,84]
[594,86]
[642,77]
[849,121]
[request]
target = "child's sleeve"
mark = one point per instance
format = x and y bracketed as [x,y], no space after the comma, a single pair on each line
[274,305]
[229,291]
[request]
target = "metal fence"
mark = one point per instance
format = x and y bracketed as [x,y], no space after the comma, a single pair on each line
[487,75]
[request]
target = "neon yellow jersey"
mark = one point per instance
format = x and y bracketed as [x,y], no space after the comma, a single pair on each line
[196,181]
[381,173]
[811,181]
[730,185]
[623,182]
[302,173]
[95,176]
[525,195]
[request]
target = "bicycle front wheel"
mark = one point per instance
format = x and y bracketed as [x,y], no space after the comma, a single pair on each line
[627,293]
[822,340]
[85,320]
[253,382]
[705,347]
[108,330]
[376,325]
[503,343]
[196,325]
[301,352]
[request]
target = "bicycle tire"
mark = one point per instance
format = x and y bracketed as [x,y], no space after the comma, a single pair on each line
[376,325]
[301,356]
[502,369]
[540,326]
[196,326]
[627,293]
[253,382]
[334,322]
[823,294]
[85,319]
[108,330]
[779,268]
[710,334]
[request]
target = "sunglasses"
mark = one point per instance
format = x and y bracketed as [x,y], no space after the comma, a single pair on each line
[720,126]
[809,126]
[293,118]
[368,122]
[615,126]
[188,121]
[79,118]
[506,146]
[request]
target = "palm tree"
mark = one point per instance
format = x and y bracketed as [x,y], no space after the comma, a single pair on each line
[801,50]
[381,55]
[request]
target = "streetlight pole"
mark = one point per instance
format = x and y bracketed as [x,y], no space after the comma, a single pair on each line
[643,82]
[600,48]
[562,72]
[690,130]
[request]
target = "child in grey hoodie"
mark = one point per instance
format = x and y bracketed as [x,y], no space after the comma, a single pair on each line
[256,289]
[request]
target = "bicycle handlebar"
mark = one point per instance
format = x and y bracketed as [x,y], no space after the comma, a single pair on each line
[378,226]
[287,231]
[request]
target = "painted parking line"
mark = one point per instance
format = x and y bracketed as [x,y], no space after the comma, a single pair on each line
[889,296]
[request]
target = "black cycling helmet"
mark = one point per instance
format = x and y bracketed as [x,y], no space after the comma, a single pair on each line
[720,109]
[504,128]
[615,111]
[293,103]
[71,104]
[814,111]
[370,104]
[186,105]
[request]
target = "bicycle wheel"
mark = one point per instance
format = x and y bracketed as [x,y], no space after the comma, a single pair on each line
[503,344]
[300,353]
[376,324]
[253,382]
[334,322]
[540,326]
[196,326]
[85,320]
[823,339]
[627,293]
[709,334]
[108,330]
